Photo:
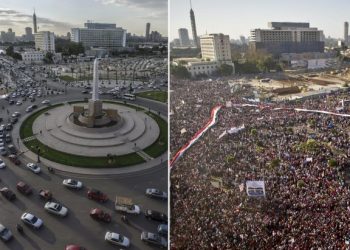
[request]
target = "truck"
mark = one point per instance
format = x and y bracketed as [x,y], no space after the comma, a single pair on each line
[125,204]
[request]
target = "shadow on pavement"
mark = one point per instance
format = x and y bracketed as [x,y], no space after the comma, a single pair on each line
[45,234]
[31,241]
[19,204]
[12,244]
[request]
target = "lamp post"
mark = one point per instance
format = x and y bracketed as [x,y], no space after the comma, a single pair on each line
[38,153]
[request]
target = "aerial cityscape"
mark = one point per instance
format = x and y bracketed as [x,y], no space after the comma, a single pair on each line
[182,125]
[259,125]
[83,134]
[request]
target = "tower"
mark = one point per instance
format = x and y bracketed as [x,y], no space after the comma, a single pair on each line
[346,33]
[34,23]
[194,29]
[148,27]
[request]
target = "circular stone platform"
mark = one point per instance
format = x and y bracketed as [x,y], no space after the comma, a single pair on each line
[133,132]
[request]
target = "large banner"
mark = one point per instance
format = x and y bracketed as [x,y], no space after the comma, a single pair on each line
[255,188]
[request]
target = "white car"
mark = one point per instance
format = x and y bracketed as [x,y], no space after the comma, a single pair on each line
[117,239]
[71,183]
[56,208]
[18,103]
[33,167]
[45,102]
[32,220]
[2,164]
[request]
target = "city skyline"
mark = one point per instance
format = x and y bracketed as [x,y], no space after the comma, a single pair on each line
[60,17]
[236,18]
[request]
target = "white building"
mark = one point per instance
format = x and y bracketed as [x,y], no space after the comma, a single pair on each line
[34,56]
[216,47]
[45,41]
[100,36]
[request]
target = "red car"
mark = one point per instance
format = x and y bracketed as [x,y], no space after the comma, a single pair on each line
[24,188]
[14,159]
[99,214]
[97,195]
[74,247]
[45,194]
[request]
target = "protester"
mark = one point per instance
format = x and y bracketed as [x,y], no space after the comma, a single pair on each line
[303,158]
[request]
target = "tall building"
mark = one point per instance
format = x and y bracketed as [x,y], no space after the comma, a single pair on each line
[99,35]
[183,37]
[216,47]
[8,37]
[34,23]
[194,29]
[287,37]
[45,41]
[346,33]
[148,28]
[28,36]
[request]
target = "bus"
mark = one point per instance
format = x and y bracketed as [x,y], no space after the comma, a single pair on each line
[129,96]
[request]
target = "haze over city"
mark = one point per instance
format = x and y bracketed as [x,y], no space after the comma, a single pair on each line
[61,16]
[237,18]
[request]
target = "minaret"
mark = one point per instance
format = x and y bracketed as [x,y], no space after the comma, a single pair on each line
[34,23]
[194,29]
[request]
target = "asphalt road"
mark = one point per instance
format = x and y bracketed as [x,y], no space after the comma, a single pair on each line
[77,227]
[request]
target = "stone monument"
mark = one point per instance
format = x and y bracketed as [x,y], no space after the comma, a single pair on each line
[94,115]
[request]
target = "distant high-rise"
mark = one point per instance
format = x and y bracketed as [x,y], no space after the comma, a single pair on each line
[45,41]
[28,34]
[34,23]
[148,28]
[184,39]
[194,29]
[346,33]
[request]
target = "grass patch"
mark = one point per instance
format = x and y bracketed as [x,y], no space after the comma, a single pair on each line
[160,96]
[161,144]
[83,161]
[67,78]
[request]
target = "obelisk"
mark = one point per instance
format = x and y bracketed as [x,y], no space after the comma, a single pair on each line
[95,104]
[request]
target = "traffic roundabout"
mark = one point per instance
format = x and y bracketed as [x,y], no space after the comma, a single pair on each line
[54,133]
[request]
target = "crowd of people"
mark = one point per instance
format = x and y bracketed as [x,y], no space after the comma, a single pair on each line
[302,157]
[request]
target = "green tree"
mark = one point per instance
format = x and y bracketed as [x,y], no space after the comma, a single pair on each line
[48,58]
[180,72]
[225,70]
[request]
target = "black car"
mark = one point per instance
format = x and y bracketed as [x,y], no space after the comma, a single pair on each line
[154,239]
[155,215]
[8,138]
[12,149]
[8,194]
[11,102]
[9,126]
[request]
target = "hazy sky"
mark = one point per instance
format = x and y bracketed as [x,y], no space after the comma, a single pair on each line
[60,16]
[238,17]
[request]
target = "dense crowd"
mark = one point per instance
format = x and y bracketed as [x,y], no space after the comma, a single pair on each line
[303,158]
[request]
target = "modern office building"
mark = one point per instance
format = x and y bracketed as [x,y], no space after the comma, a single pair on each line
[287,37]
[216,47]
[184,38]
[194,28]
[99,35]
[28,36]
[93,25]
[8,37]
[346,33]
[148,29]
[45,41]
[35,27]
